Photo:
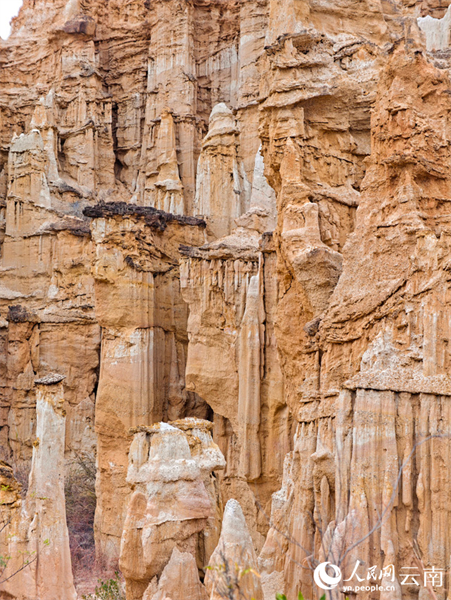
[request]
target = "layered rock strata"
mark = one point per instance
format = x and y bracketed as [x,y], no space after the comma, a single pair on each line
[406,397]
[211,463]
[232,359]
[144,341]
[367,471]
[234,211]
[46,290]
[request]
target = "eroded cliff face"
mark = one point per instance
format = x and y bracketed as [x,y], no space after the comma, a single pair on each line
[232,217]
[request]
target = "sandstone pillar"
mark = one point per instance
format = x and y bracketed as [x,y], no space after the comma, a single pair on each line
[168,508]
[234,561]
[169,189]
[144,339]
[250,375]
[180,579]
[40,533]
[210,461]
[222,189]
[232,363]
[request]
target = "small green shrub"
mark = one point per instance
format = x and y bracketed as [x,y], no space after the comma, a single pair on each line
[107,590]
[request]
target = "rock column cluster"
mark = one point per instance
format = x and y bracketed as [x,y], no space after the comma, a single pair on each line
[226,225]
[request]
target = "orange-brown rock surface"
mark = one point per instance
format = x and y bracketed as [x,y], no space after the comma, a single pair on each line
[226,224]
[36,532]
[170,506]
[144,342]
[179,574]
[233,565]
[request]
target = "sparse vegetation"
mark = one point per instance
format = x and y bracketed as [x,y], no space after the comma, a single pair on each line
[111,589]
[80,508]
[10,565]
[231,580]
[21,470]
[9,568]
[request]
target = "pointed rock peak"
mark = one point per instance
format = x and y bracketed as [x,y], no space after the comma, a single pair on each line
[42,522]
[166,112]
[234,527]
[180,578]
[233,556]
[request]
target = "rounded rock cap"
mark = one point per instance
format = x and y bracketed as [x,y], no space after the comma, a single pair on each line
[219,111]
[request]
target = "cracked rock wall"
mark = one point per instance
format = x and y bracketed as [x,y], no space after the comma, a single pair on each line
[236,212]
